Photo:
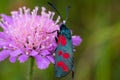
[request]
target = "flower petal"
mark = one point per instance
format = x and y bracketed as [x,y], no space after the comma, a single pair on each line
[51,58]
[76,40]
[3,43]
[33,53]
[52,47]
[4,54]
[45,52]
[3,26]
[42,62]
[15,53]
[3,35]
[12,59]
[23,58]
[6,18]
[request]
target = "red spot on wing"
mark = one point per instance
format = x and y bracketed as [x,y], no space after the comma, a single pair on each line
[62,40]
[60,63]
[60,53]
[59,39]
[66,55]
[63,66]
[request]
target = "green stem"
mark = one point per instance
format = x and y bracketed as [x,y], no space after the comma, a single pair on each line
[31,66]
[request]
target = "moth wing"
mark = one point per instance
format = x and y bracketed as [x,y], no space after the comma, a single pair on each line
[66,57]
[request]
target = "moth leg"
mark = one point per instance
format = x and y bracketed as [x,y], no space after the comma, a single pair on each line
[56,39]
[52,32]
[58,33]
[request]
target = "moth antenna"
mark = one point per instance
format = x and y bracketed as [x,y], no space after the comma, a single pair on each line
[67,11]
[54,7]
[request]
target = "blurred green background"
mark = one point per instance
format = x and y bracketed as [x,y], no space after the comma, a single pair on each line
[96,21]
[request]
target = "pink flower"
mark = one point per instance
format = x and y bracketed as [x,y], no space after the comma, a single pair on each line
[24,35]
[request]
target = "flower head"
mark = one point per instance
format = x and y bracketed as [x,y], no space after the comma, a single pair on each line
[24,35]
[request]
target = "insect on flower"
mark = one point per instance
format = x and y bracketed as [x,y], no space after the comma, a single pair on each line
[24,35]
[64,52]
